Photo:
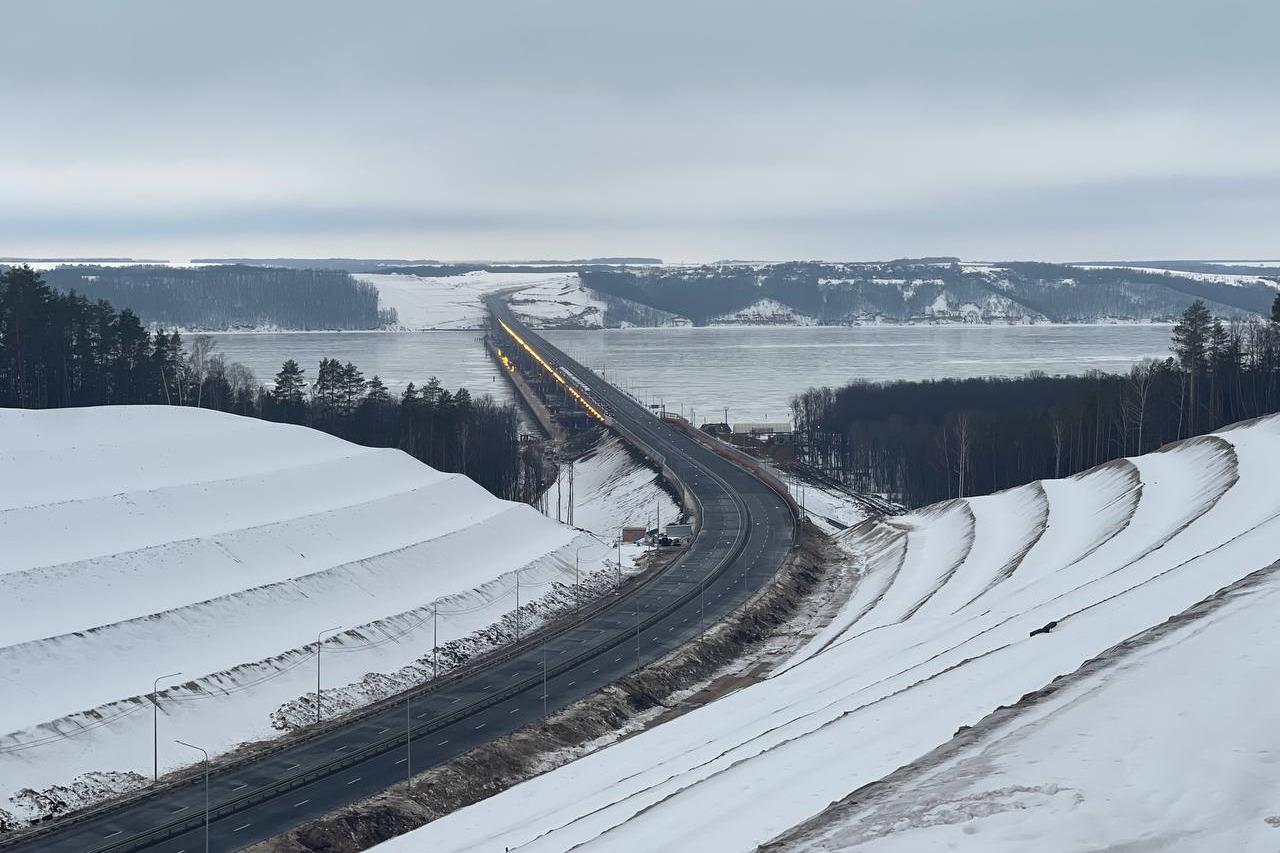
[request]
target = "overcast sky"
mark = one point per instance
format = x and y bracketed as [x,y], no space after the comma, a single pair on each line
[989,129]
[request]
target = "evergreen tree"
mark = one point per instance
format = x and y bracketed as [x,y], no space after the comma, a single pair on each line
[1275,310]
[1191,342]
[288,396]
[378,392]
[351,384]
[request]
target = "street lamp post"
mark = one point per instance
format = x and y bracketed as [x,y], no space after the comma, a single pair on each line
[155,722]
[206,789]
[318,647]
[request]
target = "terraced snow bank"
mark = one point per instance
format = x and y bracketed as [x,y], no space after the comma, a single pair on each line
[139,541]
[1086,663]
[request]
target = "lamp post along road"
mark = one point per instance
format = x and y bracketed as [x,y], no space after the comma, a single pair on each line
[318,647]
[206,789]
[155,722]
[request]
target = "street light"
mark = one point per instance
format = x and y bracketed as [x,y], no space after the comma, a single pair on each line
[155,722]
[318,647]
[206,789]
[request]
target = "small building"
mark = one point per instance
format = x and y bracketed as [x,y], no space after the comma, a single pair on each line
[718,430]
[681,532]
[634,534]
[762,429]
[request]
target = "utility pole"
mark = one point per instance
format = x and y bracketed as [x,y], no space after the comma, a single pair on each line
[619,584]
[637,632]
[544,681]
[318,646]
[435,639]
[517,605]
[408,743]
[206,790]
[155,721]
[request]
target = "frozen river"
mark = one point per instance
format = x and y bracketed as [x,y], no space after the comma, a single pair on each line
[751,371]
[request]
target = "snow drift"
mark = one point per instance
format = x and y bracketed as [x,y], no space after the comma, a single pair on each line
[1077,663]
[140,541]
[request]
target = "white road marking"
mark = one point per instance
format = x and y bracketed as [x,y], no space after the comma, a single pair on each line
[339,749]
[402,761]
[293,767]
[512,711]
[241,785]
[303,803]
[443,742]
[355,780]
[180,809]
[238,828]
[481,726]
[114,834]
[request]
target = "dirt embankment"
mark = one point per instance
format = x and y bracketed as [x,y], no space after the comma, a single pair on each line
[732,654]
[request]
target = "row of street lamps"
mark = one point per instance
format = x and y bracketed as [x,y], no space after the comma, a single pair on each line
[155,685]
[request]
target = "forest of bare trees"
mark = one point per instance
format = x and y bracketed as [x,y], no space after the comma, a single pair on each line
[920,442]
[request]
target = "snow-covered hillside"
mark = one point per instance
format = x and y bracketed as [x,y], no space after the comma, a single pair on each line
[1159,731]
[140,541]
[612,490]
[764,312]
[545,300]
[454,301]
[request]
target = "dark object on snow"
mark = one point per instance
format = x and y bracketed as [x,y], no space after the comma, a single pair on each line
[1045,629]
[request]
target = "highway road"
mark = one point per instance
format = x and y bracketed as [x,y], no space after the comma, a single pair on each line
[747,532]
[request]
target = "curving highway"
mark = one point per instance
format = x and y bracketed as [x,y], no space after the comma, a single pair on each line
[747,530]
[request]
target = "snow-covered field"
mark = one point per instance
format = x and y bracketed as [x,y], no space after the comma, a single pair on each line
[141,541]
[1166,742]
[559,303]
[557,300]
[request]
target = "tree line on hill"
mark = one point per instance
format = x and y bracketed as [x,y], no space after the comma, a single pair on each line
[924,289]
[62,349]
[921,442]
[231,296]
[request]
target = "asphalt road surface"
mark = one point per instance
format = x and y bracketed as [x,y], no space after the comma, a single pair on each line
[747,532]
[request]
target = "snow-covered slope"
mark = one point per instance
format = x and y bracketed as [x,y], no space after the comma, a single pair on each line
[139,541]
[559,303]
[764,312]
[545,300]
[944,629]
[612,490]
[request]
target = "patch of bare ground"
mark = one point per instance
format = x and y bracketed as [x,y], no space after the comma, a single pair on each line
[742,649]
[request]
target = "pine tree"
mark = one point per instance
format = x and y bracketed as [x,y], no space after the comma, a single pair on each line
[1191,340]
[327,389]
[377,391]
[351,383]
[290,384]
[1275,310]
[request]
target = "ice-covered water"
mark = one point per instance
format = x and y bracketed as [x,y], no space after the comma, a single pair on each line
[751,371]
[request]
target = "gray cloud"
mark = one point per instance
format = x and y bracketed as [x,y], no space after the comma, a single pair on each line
[993,128]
